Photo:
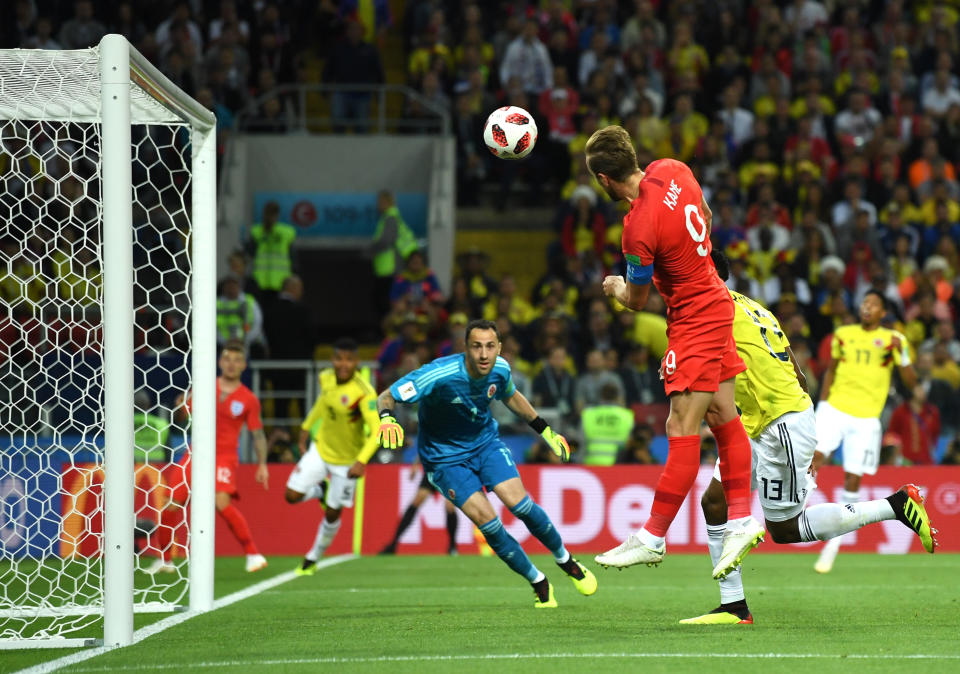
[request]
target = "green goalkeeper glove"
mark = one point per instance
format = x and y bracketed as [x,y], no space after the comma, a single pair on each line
[390,433]
[557,443]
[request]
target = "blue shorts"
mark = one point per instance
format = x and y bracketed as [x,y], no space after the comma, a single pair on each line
[488,467]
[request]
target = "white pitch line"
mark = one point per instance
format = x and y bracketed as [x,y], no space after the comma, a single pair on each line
[171,621]
[518,656]
[638,588]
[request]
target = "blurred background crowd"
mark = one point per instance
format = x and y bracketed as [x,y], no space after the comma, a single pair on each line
[825,136]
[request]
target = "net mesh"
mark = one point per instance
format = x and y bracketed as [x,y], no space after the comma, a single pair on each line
[51,368]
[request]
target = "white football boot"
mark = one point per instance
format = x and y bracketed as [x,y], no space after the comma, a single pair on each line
[740,537]
[629,553]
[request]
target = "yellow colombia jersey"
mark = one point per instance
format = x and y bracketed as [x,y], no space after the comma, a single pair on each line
[865,360]
[349,420]
[769,388]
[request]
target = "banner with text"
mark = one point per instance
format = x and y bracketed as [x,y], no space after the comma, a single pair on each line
[340,214]
[594,509]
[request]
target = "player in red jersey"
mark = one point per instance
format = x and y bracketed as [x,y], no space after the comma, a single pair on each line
[236,406]
[666,238]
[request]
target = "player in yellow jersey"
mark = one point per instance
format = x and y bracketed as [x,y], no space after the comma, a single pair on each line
[854,391]
[340,448]
[778,416]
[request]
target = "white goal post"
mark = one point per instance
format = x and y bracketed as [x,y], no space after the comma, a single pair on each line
[120,115]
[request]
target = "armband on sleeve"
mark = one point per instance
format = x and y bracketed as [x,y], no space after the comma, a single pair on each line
[638,274]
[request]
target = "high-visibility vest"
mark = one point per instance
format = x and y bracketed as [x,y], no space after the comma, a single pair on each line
[606,429]
[385,262]
[271,262]
[234,317]
[150,437]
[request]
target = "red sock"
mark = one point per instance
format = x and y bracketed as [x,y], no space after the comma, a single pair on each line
[238,525]
[683,462]
[161,538]
[733,445]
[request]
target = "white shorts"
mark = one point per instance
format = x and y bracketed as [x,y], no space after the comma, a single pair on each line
[312,470]
[860,438]
[781,456]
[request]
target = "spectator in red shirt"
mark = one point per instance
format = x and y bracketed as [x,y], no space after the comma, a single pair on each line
[917,423]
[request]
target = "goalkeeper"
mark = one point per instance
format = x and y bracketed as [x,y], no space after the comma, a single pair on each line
[462,453]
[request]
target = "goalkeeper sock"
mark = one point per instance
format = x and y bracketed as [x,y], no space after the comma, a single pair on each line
[829,520]
[452,522]
[326,532]
[238,525]
[683,462]
[405,522]
[731,587]
[733,446]
[509,550]
[539,524]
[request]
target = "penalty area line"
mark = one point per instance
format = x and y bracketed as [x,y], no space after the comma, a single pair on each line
[515,656]
[173,620]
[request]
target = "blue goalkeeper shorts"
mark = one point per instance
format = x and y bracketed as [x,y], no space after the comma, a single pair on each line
[488,467]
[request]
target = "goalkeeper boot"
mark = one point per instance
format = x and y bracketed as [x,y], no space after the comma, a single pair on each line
[632,551]
[907,505]
[734,613]
[256,563]
[543,591]
[583,579]
[307,567]
[740,537]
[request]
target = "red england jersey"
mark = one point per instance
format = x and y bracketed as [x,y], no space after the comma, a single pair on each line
[665,228]
[239,408]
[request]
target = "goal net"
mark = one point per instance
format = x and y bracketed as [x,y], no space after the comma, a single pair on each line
[106,273]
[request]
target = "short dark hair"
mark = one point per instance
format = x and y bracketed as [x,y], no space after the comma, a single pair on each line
[345,344]
[721,263]
[609,393]
[610,151]
[234,345]
[880,296]
[481,324]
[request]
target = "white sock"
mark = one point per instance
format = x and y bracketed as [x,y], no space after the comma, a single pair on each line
[563,559]
[313,492]
[830,520]
[325,534]
[731,587]
[540,576]
[651,541]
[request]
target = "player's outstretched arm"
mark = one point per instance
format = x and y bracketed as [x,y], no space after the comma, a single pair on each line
[908,376]
[828,379]
[802,378]
[260,446]
[520,406]
[390,432]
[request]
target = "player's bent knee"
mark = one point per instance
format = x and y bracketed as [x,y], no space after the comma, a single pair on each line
[332,514]
[293,496]
[784,532]
[222,500]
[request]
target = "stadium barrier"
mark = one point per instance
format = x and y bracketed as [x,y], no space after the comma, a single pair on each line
[594,508]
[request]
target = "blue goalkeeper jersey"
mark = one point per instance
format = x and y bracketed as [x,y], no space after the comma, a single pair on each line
[454,414]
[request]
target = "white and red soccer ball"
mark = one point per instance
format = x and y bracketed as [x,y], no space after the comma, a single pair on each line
[510,132]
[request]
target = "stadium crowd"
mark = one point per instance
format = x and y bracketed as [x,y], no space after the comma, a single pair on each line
[825,136]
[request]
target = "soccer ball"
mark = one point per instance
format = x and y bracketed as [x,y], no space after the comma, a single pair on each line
[510,132]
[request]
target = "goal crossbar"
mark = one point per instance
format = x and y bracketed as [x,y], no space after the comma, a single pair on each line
[29,76]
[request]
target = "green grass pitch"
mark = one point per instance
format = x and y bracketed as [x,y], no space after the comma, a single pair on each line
[441,614]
